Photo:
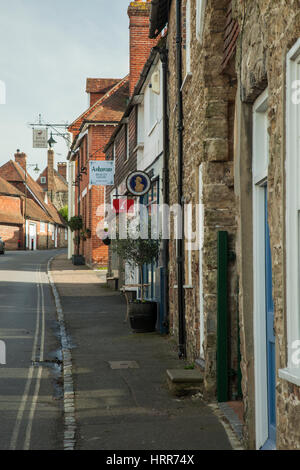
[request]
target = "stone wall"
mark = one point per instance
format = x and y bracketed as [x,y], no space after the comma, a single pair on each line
[208,100]
[268,30]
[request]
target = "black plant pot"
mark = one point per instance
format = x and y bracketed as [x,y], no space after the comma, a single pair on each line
[78,260]
[143,316]
[106,241]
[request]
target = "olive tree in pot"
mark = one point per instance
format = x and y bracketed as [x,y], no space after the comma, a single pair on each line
[137,253]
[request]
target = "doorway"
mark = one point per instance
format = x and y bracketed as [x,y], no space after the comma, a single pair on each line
[32,237]
[263,314]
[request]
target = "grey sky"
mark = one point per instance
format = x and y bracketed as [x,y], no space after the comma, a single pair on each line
[47,50]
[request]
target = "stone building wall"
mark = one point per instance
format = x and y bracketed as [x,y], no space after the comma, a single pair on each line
[208,95]
[59,199]
[268,30]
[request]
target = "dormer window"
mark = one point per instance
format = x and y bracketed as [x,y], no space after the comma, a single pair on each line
[43,180]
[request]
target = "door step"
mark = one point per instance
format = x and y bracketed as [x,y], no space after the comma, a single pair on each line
[184,381]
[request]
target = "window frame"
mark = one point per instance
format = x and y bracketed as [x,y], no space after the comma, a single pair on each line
[292,216]
[188,36]
[200,15]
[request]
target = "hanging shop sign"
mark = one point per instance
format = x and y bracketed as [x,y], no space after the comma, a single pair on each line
[123,205]
[40,138]
[102,173]
[138,183]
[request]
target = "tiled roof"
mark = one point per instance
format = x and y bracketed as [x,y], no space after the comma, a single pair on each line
[13,172]
[60,184]
[7,188]
[6,218]
[100,85]
[35,212]
[113,107]
[76,125]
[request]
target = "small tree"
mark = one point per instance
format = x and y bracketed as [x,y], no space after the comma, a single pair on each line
[76,224]
[137,252]
[64,213]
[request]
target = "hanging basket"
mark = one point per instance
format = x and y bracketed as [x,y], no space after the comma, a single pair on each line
[106,241]
[88,233]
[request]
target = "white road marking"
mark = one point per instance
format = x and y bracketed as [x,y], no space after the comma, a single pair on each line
[16,431]
[39,376]
[15,337]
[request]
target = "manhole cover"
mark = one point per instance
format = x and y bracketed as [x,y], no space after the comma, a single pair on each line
[123,365]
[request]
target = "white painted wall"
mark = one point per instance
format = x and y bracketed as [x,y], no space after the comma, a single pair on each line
[71,205]
[150,130]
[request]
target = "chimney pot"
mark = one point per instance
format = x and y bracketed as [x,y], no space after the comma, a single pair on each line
[62,169]
[50,176]
[20,158]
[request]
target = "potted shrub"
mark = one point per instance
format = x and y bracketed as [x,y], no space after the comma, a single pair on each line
[106,240]
[76,225]
[137,253]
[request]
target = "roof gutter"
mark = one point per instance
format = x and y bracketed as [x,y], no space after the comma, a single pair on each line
[158,17]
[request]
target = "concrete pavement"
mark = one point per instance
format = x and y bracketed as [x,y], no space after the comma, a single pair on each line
[121,398]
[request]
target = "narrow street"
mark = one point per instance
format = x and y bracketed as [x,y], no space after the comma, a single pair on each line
[30,401]
[115,407]
[149,227]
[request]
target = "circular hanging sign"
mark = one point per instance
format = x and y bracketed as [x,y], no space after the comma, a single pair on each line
[138,183]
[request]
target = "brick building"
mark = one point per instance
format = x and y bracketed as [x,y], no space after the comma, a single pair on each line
[39,225]
[108,99]
[124,144]
[11,215]
[54,182]
[91,132]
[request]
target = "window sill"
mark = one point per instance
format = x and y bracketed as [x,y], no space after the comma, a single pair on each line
[152,128]
[200,363]
[139,146]
[290,375]
[186,286]
[186,80]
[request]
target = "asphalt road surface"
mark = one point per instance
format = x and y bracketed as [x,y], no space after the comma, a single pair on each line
[31,411]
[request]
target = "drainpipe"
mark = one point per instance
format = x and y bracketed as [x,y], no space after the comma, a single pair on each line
[180,200]
[164,61]
[78,205]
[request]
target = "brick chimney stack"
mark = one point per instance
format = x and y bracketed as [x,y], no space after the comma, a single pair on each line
[62,169]
[139,43]
[50,176]
[21,158]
